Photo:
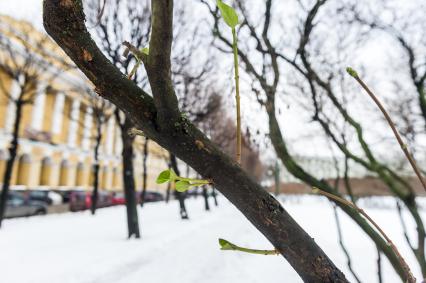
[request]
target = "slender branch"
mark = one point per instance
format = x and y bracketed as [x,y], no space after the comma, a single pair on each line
[409,276]
[228,246]
[379,266]
[158,63]
[342,245]
[403,146]
[237,93]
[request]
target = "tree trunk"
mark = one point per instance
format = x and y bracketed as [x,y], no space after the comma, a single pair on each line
[206,199]
[168,192]
[144,176]
[214,193]
[180,196]
[129,181]
[13,150]
[96,170]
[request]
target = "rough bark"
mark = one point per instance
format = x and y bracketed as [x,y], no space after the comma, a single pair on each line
[64,21]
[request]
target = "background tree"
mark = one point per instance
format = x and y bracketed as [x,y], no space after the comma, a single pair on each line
[266,74]
[162,122]
[102,111]
[127,157]
[28,67]
[113,23]
[145,153]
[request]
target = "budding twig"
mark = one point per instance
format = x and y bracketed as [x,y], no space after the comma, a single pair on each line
[404,265]
[140,55]
[228,246]
[403,146]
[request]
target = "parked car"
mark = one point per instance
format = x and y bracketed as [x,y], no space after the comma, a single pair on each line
[118,198]
[81,200]
[104,199]
[49,197]
[18,206]
[153,196]
[65,195]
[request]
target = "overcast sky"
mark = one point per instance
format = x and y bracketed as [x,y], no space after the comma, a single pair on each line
[373,55]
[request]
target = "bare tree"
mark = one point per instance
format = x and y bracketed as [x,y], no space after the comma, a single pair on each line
[113,23]
[29,64]
[407,32]
[102,111]
[266,74]
[127,157]
[162,121]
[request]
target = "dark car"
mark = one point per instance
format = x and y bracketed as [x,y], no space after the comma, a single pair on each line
[81,200]
[153,196]
[19,206]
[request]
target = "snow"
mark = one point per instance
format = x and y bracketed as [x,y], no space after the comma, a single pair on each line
[76,247]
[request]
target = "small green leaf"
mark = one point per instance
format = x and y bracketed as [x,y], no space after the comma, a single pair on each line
[163,177]
[225,245]
[145,50]
[166,176]
[182,186]
[228,13]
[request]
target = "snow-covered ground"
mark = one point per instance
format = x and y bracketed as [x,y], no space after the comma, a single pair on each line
[76,247]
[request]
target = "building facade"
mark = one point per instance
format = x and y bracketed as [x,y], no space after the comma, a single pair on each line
[56,137]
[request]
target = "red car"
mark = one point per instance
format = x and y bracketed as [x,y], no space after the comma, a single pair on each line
[118,198]
[82,200]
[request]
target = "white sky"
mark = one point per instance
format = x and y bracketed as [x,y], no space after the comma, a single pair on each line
[375,55]
[30,10]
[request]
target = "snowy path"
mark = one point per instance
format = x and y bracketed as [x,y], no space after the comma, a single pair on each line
[76,247]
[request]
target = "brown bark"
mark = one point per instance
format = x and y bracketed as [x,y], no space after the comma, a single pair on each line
[64,21]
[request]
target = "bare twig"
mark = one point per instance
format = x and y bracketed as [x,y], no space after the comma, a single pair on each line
[404,147]
[409,276]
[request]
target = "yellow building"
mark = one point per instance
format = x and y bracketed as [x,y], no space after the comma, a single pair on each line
[56,134]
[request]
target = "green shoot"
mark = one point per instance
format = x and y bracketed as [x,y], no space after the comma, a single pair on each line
[231,19]
[182,184]
[228,246]
[139,55]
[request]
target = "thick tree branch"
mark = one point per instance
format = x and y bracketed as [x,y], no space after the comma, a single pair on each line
[158,65]
[64,21]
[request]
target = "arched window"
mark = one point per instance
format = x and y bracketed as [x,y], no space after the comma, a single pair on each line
[46,171]
[24,167]
[64,173]
[103,178]
[81,175]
